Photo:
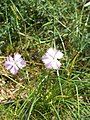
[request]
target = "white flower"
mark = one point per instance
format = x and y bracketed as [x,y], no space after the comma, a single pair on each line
[87,4]
[14,63]
[50,59]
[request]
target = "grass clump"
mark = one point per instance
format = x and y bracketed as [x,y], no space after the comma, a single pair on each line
[31,27]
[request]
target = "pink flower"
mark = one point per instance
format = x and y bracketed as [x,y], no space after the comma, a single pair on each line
[14,63]
[50,59]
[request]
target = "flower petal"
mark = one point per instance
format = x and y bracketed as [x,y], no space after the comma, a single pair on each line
[10,59]
[7,65]
[14,70]
[51,52]
[87,4]
[58,54]
[50,58]
[17,56]
[56,64]
[46,59]
[48,65]
[21,63]
[54,53]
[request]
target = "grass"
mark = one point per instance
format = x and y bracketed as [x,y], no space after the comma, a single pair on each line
[31,27]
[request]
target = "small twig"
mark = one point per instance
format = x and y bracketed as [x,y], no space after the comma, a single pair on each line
[13,80]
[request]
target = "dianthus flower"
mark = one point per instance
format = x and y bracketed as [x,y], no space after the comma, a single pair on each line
[13,64]
[50,59]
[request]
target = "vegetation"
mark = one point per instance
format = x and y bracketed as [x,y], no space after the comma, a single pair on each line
[30,27]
